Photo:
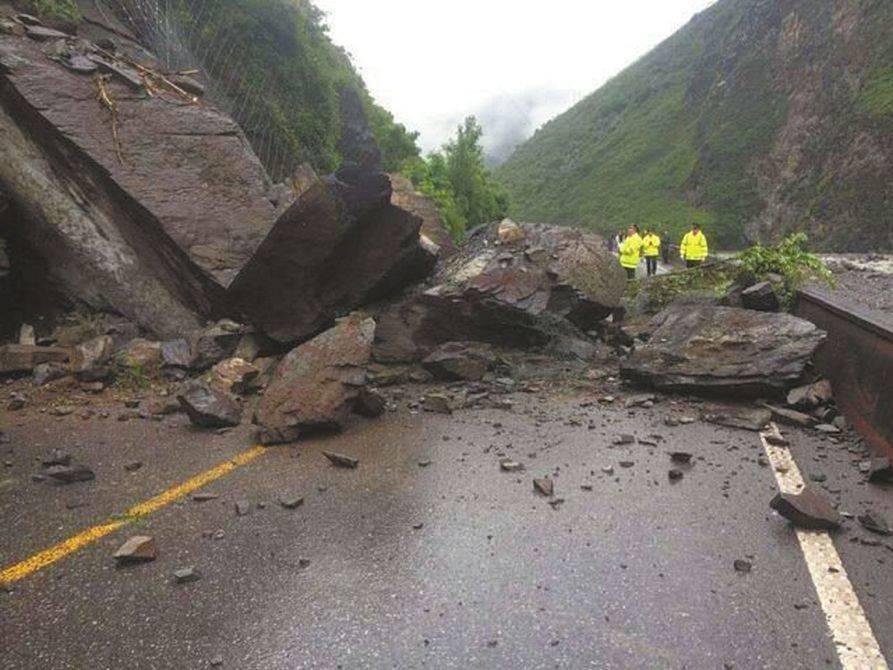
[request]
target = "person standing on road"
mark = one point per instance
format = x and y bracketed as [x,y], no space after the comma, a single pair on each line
[665,248]
[630,251]
[651,249]
[694,247]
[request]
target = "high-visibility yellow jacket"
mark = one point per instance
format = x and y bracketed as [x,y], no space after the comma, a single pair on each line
[694,246]
[630,250]
[651,245]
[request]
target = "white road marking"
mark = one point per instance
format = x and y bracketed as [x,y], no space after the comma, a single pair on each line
[856,645]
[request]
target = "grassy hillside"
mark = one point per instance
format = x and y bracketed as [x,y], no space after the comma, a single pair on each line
[741,121]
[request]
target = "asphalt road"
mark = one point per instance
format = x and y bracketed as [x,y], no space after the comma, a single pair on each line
[452,565]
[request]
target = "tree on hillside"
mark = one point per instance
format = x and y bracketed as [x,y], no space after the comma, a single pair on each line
[458,181]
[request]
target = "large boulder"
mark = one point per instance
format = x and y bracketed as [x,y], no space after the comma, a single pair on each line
[316,385]
[151,210]
[545,287]
[723,350]
[340,245]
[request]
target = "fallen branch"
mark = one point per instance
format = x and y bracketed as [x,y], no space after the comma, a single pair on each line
[105,98]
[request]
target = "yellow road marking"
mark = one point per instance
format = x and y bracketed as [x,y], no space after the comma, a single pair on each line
[57,552]
[854,640]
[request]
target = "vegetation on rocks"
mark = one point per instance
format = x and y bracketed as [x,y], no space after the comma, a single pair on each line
[788,265]
[59,10]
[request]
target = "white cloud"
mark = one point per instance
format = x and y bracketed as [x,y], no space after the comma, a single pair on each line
[432,63]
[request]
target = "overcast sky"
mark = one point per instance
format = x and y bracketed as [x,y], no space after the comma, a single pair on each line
[513,63]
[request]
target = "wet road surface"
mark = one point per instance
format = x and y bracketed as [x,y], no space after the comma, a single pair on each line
[454,564]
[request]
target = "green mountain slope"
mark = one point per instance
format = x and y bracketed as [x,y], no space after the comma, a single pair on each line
[758,118]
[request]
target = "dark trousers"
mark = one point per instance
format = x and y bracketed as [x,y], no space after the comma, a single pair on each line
[630,273]
[651,264]
[692,264]
[665,252]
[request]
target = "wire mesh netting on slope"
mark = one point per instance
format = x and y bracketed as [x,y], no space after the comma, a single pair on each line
[266,63]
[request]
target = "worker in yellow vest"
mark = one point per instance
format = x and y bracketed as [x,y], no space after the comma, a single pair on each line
[694,247]
[651,249]
[630,251]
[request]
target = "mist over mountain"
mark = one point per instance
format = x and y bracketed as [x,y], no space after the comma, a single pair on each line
[756,119]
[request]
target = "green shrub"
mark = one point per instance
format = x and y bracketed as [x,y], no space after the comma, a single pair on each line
[64,10]
[788,259]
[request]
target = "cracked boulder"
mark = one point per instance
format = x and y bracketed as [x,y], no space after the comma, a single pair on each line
[723,350]
[543,288]
[316,385]
[153,220]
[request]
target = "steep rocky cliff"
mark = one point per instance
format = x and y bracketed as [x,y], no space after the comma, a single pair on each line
[758,118]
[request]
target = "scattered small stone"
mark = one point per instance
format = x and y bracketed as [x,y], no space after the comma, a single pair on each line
[544,486]
[743,566]
[875,523]
[291,502]
[425,463]
[418,526]
[827,428]
[69,474]
[62,410]
[675,475]
[204,497]
[56,457]
[608,469]
[686,420]
[438,403]
[586,487]
[509,465]
[627,464]
[17,401]
[216,662]
[818,477]
[340,460]
[776,439]
[243,508]
[625,439]
[880,471]
[682,457]
[133,466]
[556,502]
[303,563]
[186,575]
[138,549]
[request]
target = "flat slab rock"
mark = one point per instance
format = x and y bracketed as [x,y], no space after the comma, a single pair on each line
[723,350]
[808,509]
[316,384]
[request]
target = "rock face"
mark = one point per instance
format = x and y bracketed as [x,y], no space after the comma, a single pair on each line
[723,350]
[315,386]
[546,286]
